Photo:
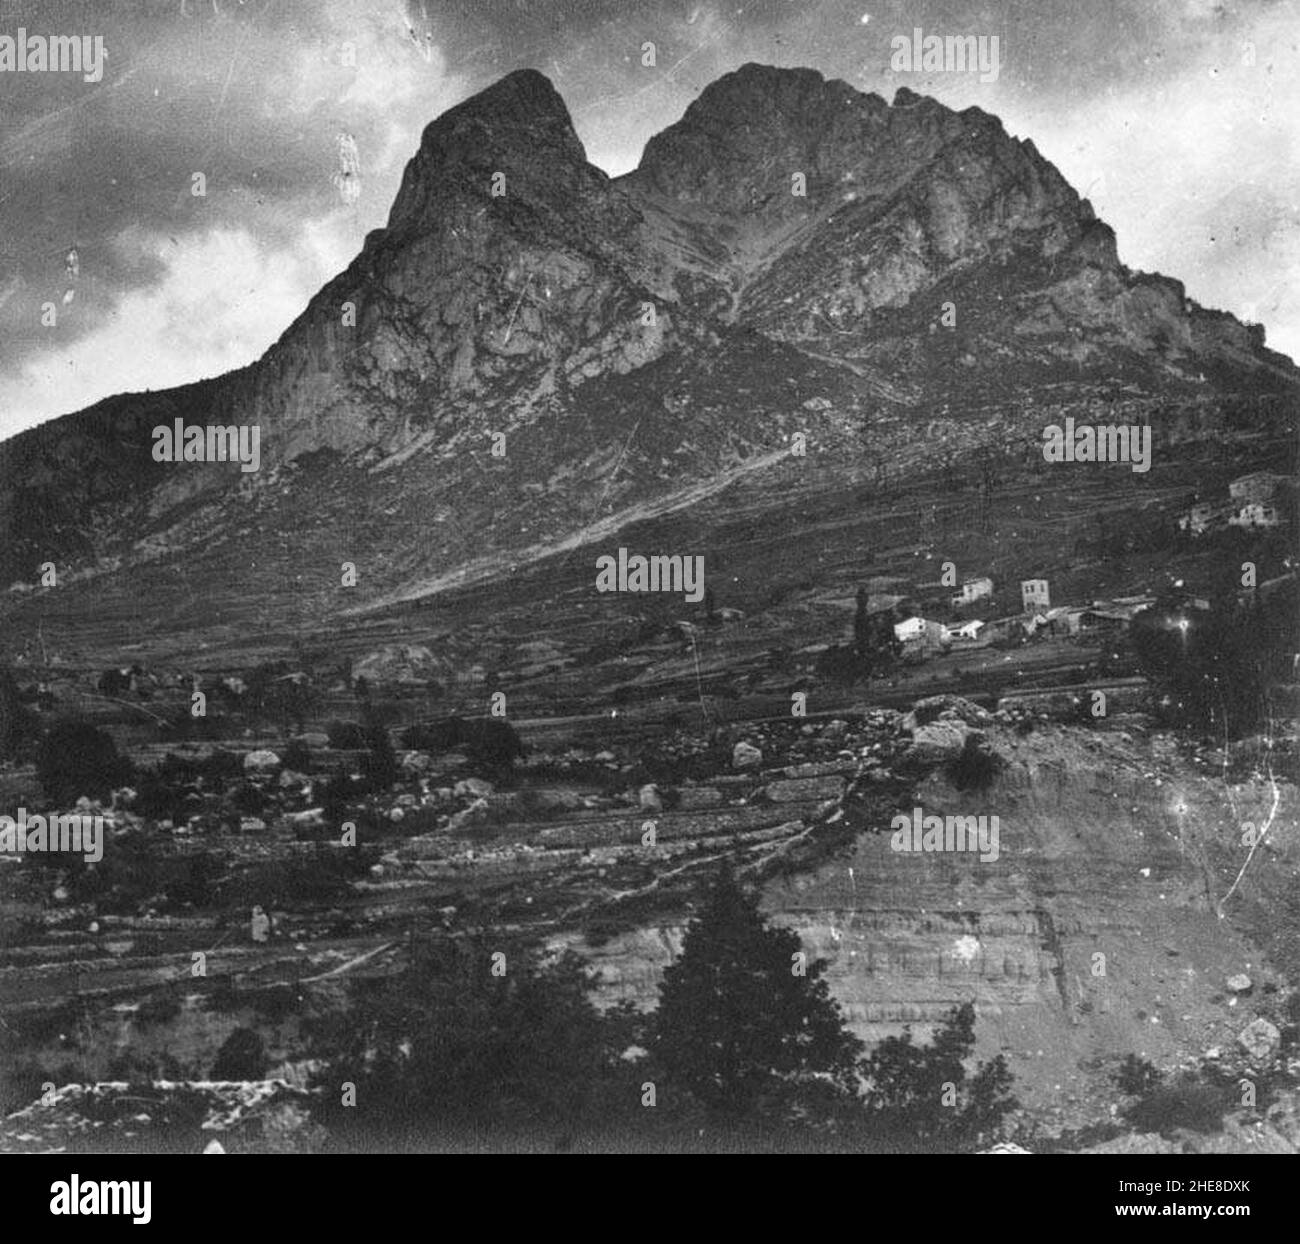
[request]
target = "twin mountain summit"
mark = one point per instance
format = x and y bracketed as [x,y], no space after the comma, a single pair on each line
[794,262]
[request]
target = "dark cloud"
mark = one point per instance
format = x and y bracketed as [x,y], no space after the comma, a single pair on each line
[1177,116]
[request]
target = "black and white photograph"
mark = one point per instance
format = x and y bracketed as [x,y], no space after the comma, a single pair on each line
[650,577]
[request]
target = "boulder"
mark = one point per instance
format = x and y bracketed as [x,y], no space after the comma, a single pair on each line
[313,740]
[1240,983]
[938,743]
[475,814]
[401,663]
[745,756]
[692,798]
[560,800]
[794,790]
[949,707]
[1259,1038]
[649,799]
[417,762]
[475,787]
[261,761]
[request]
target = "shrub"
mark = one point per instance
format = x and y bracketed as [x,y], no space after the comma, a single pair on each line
[922,1093]
[1186,1103]
[17,722]
[296,755]
[242,1057]
[976,767]
[450,1044]
[346,735]
[1136,1076]
[75,758]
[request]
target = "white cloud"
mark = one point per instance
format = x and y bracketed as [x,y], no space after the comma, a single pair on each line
[224,298]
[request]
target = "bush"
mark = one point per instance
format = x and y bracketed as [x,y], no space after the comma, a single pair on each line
[1187,1103]
[976,767]
[380,765]
[1137,1077]
[296,755]
[453,1044]
[17,722]
[923,1094]
[75,758]
[241,1057]
[346,735]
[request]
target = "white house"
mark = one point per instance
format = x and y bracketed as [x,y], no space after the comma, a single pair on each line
[913,628]
[973,589]
[1257,486]
[1034,595]
[1254,514]
[1202,517]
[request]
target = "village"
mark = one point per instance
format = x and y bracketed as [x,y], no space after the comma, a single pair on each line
[933,621]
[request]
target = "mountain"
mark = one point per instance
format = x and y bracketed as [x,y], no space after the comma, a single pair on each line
[906,285]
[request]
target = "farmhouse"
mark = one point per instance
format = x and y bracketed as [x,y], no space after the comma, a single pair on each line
[1257,486]
[972,590]
[1034,595]
[1203,517]
[1254,514]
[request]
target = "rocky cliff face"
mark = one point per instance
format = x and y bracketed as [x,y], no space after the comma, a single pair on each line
[1094,934]
[638,337]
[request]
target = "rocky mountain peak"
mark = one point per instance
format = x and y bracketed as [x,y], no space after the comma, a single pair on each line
[518,127]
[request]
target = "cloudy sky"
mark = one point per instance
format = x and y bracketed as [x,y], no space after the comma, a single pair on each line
[1177,118]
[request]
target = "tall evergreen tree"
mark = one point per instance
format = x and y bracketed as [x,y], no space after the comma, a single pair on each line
[921,1094]
[746,1023]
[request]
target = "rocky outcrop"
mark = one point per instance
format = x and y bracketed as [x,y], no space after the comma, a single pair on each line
[785,222]
[1100,899]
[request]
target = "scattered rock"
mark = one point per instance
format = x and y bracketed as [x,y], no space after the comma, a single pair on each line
[260,761]
[937,743]
[692,798]
[401,663]
[557,800]
[476,787]
[794,790]
[475,814]
[948,707]
[745,756]
[417,762]
[1259,1038]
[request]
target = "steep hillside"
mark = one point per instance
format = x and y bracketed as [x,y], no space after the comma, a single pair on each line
[902,283]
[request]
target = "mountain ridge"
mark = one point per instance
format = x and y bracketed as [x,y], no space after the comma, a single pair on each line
[602,325]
